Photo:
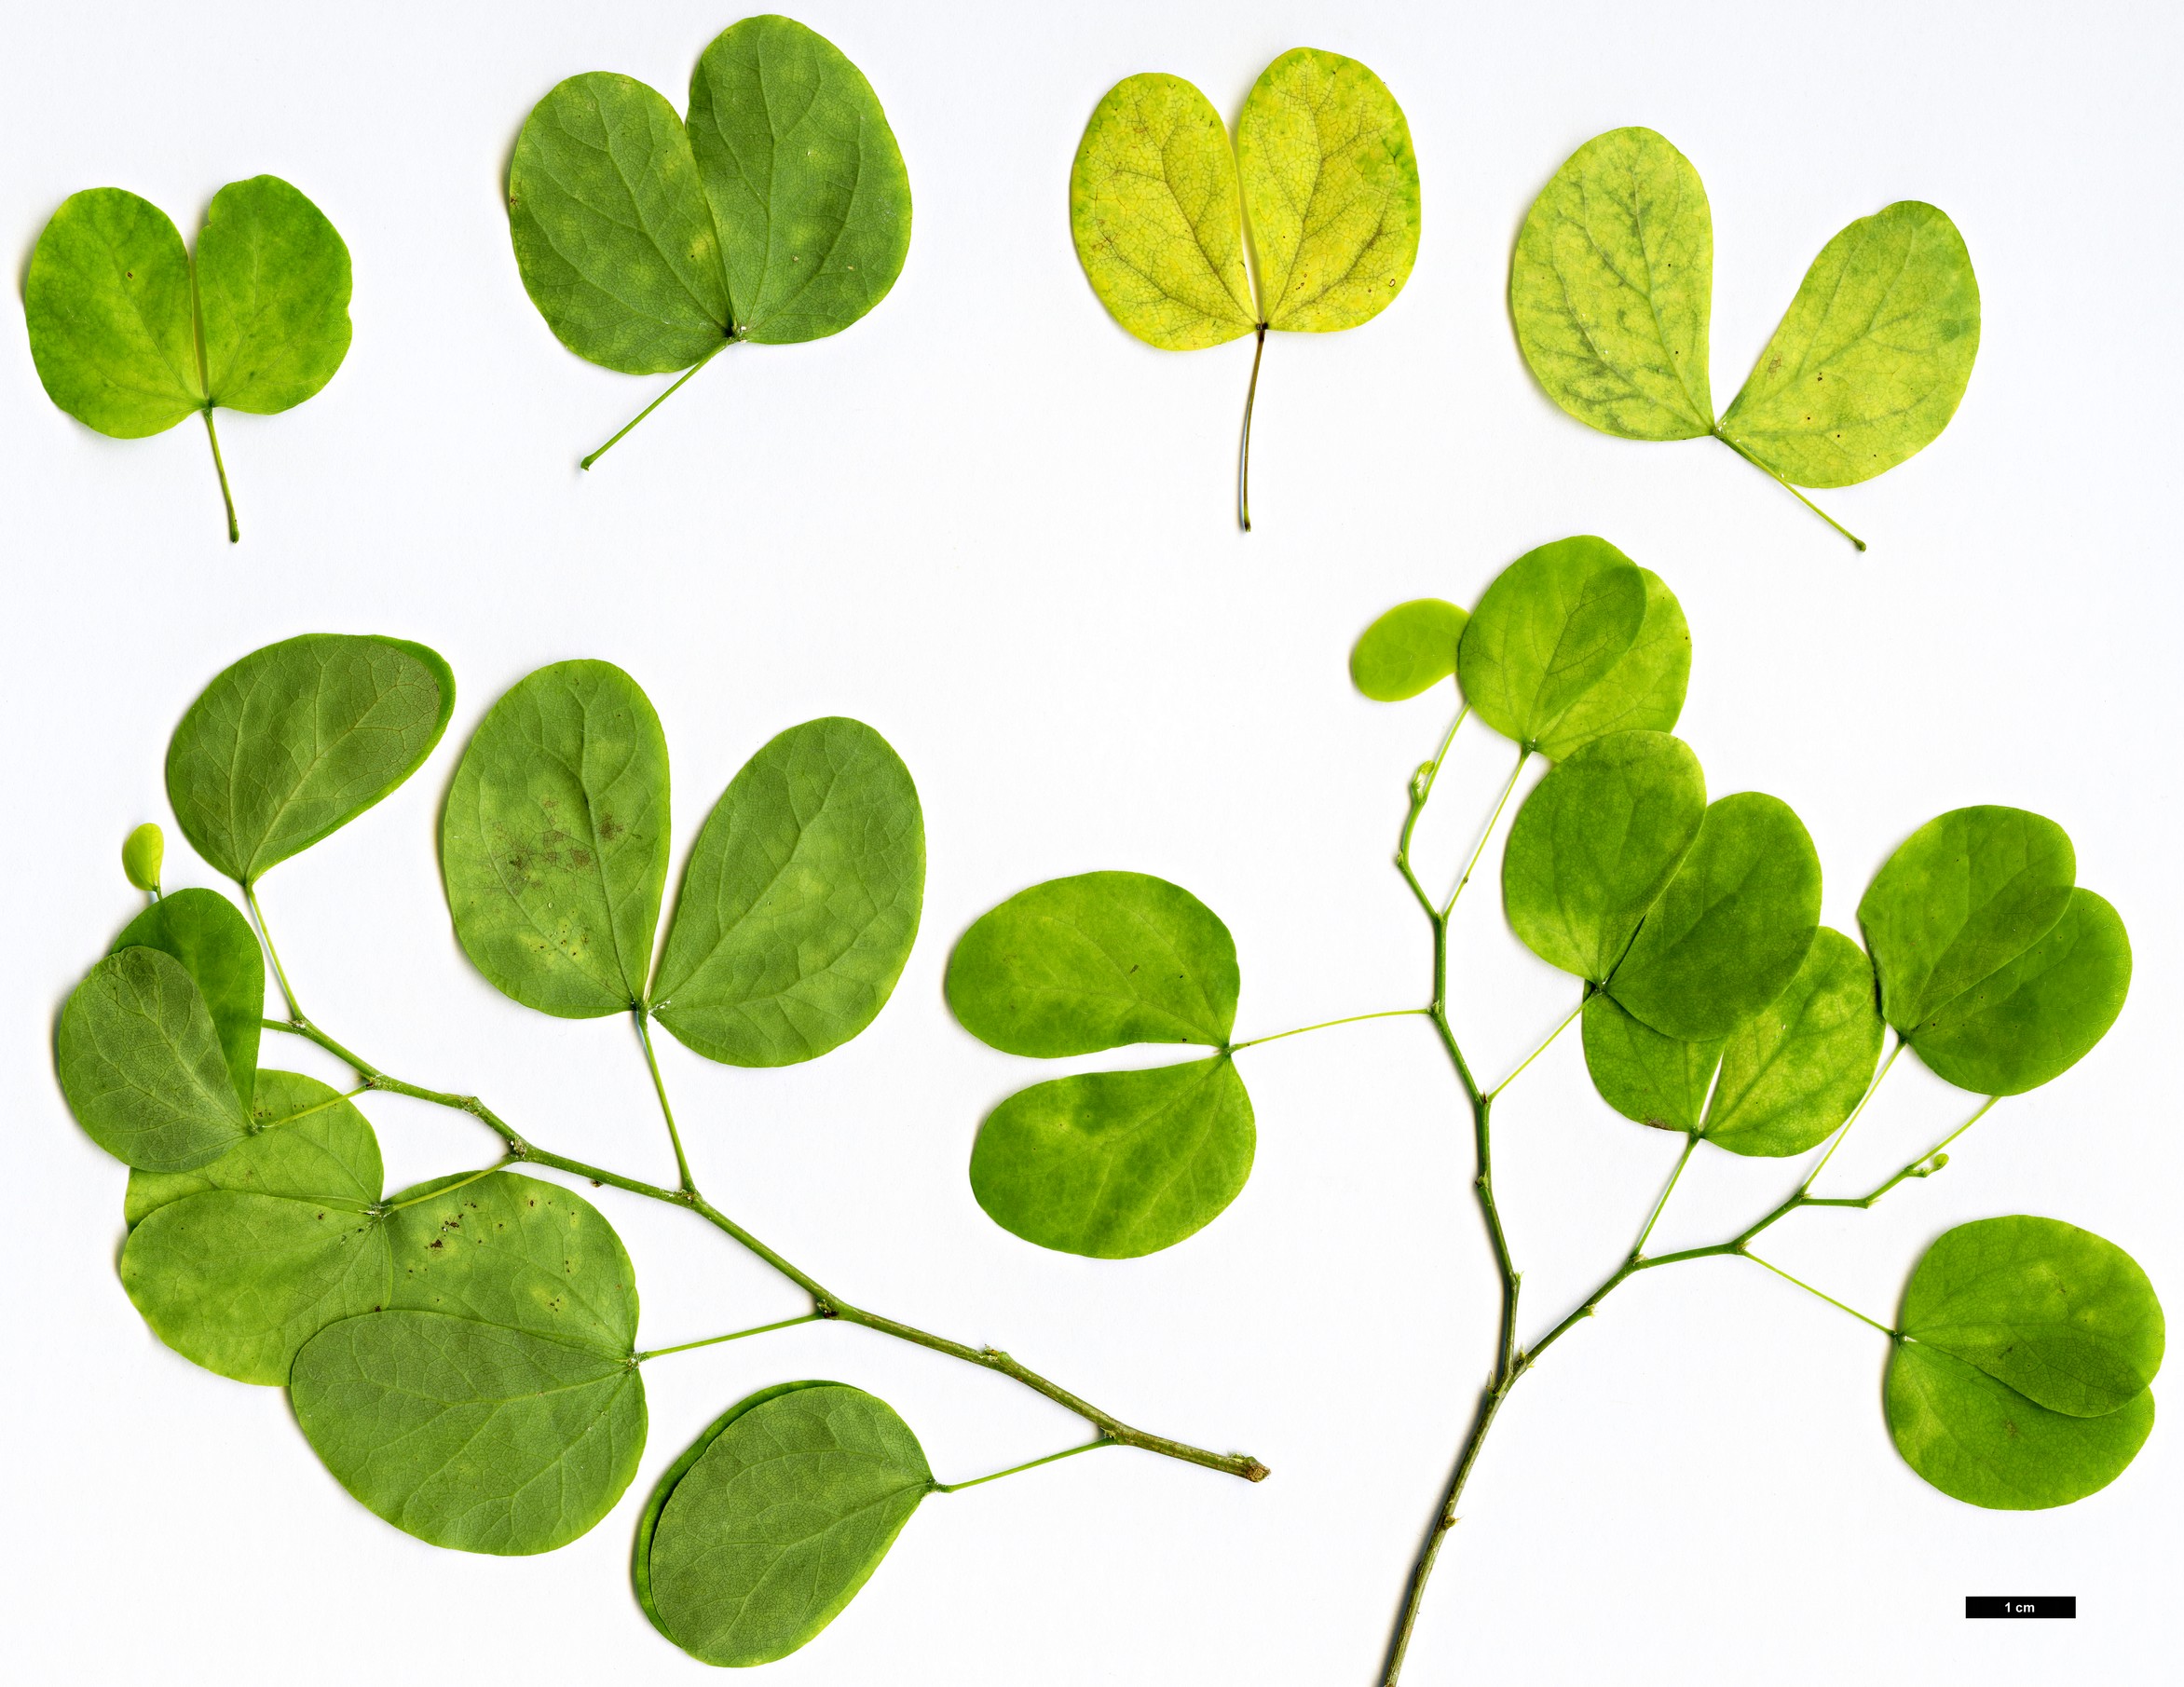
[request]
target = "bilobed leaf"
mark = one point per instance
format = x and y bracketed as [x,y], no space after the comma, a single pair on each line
[297,739]
[2059,1314]
[1643,692]
[237,1265]
[554,841]
[1873,356]
[1612,287]
[1330,191]
[1795,1070]
[1733,926]
[1115,1164]
[1407,650]
[273,286]
[758,1535]
[1553,625]
[208,934]
[1596,843]
[140,1064]
[800,901]
[1966,893]
[1076,965]
[2037,1015]
[1656,1081]
[1154,209]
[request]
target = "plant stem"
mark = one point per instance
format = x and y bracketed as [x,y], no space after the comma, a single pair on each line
[1244,462]
[1816,1293]
[249,895]
[733,1335]
[1420,792]
[1326,1025]
[662,399]
[1067,1452]
[1485,837]
[824,1303]
[1792,491]
[682,1165]
[219,468]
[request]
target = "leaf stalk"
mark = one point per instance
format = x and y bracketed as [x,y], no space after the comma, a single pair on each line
[219,468]
[1856,542]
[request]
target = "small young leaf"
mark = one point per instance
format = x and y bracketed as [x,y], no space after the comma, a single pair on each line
[1982,1442]
[238,1265]
[216,946]
[1407,650]
[1076,965]
[2037,1015]
[1155,211]
[1962,896]
[1115,1164]
[140,1064]
[1794,1071]
[1612,286]
[1644,691]
[1733,926]
[297,739]
[759,1534]
[1596,843]
[1873,356]
[1331,192]
[554,841]
[1656,1081]
[800,901]
[2056,1313]
[144,851]
[1555,623]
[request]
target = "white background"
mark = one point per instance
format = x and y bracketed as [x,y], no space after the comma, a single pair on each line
[990,523]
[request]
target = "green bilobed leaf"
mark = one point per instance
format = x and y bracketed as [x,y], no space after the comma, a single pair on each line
[1873,357]
[1331,192]
[1596,843]
[1656,1080]
[1076,965]
[1612,287]
[236,1265]
[1643,692]
[1154,209]
[1966,893]
[273,286]
[1982,1442]
[2056,1313]
[297,739]
[495,1405]
[140,1064]
[800,901]
[1555,623]
[1408,650]
[216,946]
[1733,926]
[1115,1164]
[766,1528]
[554,841]
[2039,1014]
[805,181]
[612,234]
[1796,1070]
[112,329]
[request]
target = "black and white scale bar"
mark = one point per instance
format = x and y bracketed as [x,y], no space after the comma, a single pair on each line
[2032,1605]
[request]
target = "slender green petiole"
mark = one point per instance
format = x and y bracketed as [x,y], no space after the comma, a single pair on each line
[662,399]
[1067,1452]
[249,895]
[1816,1293]
[1487,836]
[1652,1219]
[1329,1023]
[448,1189]
[1856,1111]
[1542,1049]
[219,468]
[682,1165]
[1244,461]
[733,1335]
[1792,491]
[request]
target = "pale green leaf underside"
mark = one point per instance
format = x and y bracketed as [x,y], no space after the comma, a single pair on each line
[1873,356]
[1076,965]
[1612,287]
[800,902]
[1330,189]
[140,1064]
[1555,624]
[754,1543]
[1116,1164]
[556,838]
[1407,650]
[1795,1070]
[298,738]
[208,934]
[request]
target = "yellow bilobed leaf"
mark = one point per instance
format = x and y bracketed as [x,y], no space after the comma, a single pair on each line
[1158,222]
[1331,187]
